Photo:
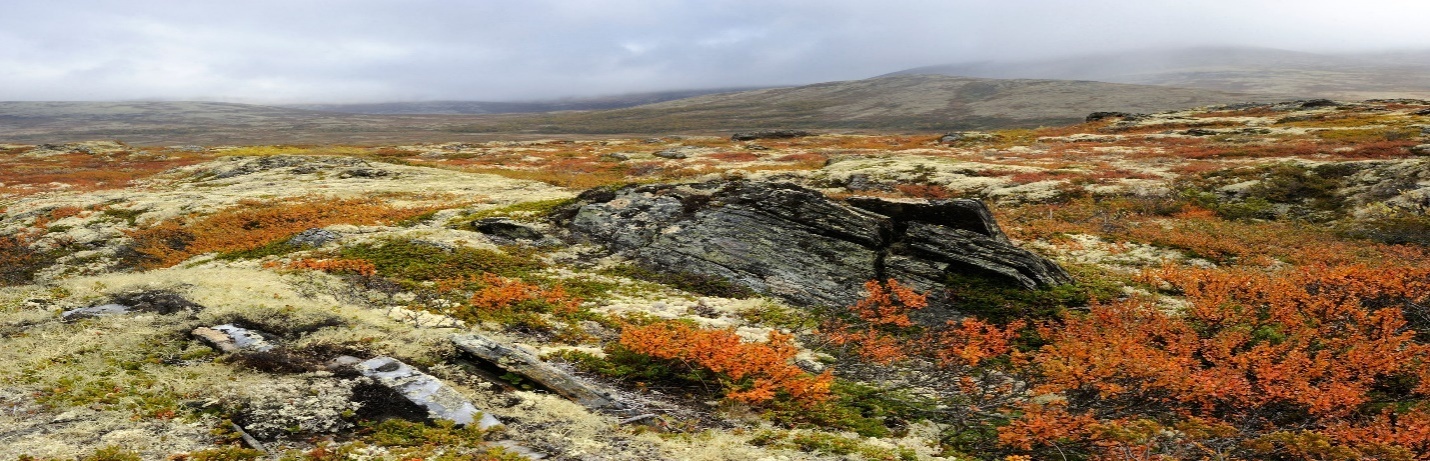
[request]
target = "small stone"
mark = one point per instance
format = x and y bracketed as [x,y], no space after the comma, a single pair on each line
[343,361]
[507,228]
[671,154]
[231,338]
[1423,149]
[95,311]
[314,237]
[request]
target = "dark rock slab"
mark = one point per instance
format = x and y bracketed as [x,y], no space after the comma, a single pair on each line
[769,134]
[163,302]
[95,311]
[508,229]
[791,242]
[157,301]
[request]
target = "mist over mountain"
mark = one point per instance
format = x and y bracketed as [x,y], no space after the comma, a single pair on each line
[513,107]
[1244,69]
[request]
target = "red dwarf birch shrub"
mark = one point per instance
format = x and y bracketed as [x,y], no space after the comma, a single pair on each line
[753,373]
[1317,362]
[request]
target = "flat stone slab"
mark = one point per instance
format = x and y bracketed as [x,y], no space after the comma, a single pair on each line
[232,338]
[440,400]
[95,311]
[522,363]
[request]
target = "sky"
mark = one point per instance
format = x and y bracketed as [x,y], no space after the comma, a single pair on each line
[292,51]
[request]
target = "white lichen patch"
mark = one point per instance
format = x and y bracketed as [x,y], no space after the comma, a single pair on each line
[1120,256]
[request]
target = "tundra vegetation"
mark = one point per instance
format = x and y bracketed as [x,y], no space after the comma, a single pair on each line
[1253,282]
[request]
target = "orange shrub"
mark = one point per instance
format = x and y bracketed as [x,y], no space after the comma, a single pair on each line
[86,172]
[1326,350]
[252,224]
[733,156]
[498,293]
[753,373]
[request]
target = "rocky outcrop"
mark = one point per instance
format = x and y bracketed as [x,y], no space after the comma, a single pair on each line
[791,242]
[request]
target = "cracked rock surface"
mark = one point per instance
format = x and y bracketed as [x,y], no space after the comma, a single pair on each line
[787,241]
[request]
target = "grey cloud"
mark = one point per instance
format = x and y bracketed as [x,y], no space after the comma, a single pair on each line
[368,50]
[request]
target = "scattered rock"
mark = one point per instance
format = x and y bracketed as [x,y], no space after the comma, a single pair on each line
[769,134]
[231,338]
[90,147]
[160,301]
[425,391]
[95,311]
[1423,149]
[313,238]
[342,361]
[953,138]
[619,156]
[520,362]
[366,173]
[755,147]
[1098,116]
[1422,112]
[1200,132]
[234,167]
[671,154]
[791,242]
[157,301]
[507,228]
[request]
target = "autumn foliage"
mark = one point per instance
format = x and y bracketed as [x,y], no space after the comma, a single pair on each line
[498,293]
[252,224]
[1313,362]
[885,334]
[751,372]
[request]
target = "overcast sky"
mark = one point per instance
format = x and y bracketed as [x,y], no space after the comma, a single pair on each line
[368,50]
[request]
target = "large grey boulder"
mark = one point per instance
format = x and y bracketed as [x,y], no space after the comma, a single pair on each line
[425,391]
[787,241]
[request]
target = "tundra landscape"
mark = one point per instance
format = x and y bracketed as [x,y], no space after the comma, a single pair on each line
[1200,253]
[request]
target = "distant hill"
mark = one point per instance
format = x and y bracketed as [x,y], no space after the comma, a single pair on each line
[902,103]
[1253,70]
[492,107]
[909,103]
[197,122]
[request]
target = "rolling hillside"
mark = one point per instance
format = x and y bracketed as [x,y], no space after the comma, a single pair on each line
[1254,70]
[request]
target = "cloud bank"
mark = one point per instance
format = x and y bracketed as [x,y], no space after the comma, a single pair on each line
[368,51]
